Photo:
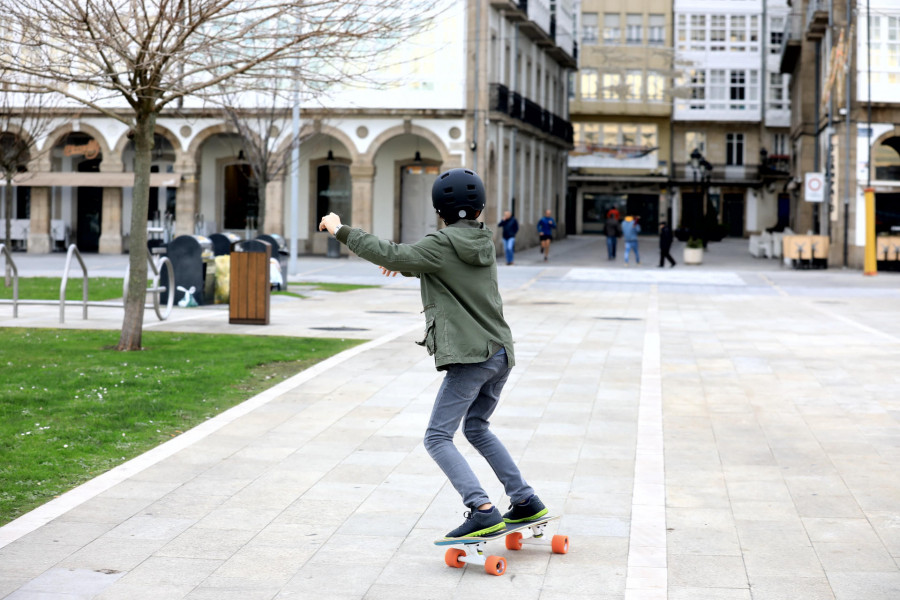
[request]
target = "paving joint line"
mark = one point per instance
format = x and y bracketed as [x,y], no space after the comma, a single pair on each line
[647,572]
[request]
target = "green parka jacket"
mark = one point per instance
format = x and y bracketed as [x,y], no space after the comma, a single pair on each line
[458,272]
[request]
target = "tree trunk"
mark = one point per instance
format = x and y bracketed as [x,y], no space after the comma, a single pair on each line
[133,323]
[7,194]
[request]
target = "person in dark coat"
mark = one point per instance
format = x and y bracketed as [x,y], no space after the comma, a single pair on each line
[665,244]
[510,228]
[613,231]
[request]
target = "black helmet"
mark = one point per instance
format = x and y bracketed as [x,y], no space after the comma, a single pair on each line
[457,194]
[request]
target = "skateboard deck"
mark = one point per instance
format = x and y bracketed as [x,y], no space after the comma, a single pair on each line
[515,534]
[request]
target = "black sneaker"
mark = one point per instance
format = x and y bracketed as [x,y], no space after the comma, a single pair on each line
[531,510]
[479,524]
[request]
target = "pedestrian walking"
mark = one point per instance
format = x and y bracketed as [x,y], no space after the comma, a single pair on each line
[510,228]
[665,244]
[545,229]
[613,231]
[630,230]
[470,340]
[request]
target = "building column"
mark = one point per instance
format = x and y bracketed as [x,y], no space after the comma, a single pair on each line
[275,207]
[363,185]
[39,241]
[186,198]
[111,222]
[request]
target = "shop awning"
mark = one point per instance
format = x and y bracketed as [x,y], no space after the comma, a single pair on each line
[76,179]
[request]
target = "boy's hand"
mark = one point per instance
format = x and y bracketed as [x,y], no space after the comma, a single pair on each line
[330,222]
[388,273]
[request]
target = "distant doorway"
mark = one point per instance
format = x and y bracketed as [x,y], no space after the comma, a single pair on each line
[417,216]
[89,210]
[733,214]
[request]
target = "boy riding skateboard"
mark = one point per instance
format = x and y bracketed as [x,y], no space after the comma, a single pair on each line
[466,333]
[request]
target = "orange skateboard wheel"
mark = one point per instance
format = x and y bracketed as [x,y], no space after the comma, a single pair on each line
[495,565]
[514,541]
[451,557]
[560,544]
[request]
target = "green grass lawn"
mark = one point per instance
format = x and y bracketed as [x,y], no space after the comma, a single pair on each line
[47,288]
[72,408]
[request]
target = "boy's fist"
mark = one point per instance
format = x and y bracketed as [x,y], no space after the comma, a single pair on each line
[330,222]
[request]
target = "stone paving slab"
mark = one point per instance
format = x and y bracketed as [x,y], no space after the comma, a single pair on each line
[774,466]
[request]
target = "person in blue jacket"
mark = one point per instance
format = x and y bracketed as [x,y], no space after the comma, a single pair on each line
[630,230]
[545,229]
[510,228]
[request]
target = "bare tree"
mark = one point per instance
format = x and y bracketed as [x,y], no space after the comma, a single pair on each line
[130,59]
[25,119]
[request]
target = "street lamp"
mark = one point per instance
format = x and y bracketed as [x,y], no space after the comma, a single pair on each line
[698,162]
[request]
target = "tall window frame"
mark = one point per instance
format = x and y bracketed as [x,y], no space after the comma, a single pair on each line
[734,149]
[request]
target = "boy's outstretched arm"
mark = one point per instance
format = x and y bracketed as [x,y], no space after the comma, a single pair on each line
[406,259]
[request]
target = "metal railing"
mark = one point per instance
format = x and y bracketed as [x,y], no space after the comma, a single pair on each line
[155,288]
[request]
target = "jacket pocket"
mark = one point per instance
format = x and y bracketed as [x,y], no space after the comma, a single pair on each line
[429,340]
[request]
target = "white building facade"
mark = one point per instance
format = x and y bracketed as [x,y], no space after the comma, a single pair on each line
[732,108]
[485,89]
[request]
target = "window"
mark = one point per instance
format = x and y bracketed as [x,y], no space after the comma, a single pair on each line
[571,86]
[629,135]
[681,32]
[738,33]
[717,89]
[717,33]
[610,86]
[779,144]
[777,97]
[633,83]
[634,29]
[611,135]
[698,90]
[698,27]
[591,135]
[590,29]
[656,85]
[776,34]
[656,34]
[589,79]
[738,88]
[694,140]
[754,33]
[612,34]
[734,149]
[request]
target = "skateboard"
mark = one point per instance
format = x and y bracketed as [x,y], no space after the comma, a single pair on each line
[515,535]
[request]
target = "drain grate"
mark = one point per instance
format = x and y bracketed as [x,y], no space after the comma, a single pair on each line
[618,319]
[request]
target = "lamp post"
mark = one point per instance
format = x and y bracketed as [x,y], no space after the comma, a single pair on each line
[696,157]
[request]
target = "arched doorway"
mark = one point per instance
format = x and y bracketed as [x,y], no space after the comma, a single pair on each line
[886,161]
[80,152]
[14,200]
[413,164]
[228,195]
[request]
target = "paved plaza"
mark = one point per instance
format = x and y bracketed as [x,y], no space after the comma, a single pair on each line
[722,432]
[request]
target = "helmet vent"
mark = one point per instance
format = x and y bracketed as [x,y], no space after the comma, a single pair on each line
[470,187]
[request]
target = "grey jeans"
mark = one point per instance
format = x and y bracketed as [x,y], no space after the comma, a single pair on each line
[469,394]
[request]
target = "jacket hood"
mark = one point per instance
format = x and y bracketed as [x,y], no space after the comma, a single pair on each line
[472,241]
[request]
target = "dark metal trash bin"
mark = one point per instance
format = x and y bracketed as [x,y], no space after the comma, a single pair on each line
[279,252]
[334,247]
[249,287]
[222,242]
[192,261]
